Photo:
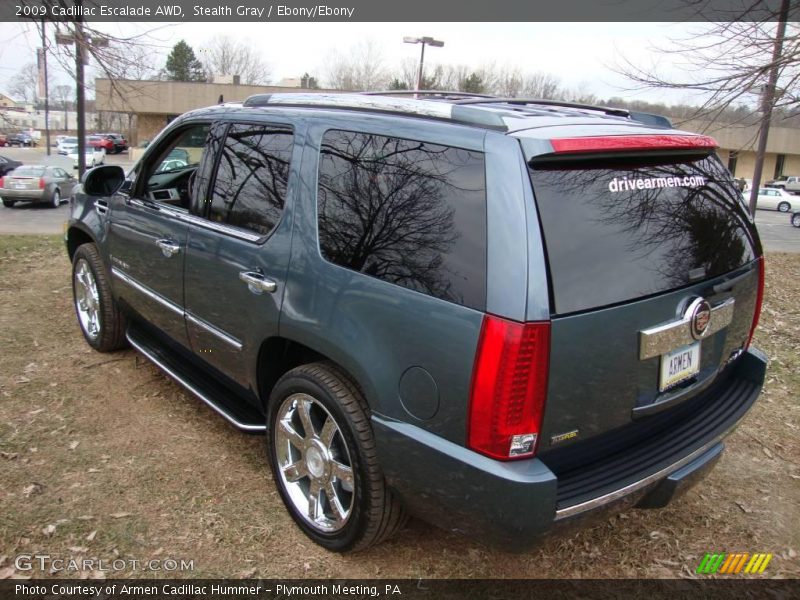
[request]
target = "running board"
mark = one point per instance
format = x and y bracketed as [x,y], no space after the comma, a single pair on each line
[238,414]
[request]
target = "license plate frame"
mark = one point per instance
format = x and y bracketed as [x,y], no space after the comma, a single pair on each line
[678,365]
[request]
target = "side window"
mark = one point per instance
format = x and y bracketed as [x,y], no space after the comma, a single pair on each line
[407,212]
[250,185]
[168,173]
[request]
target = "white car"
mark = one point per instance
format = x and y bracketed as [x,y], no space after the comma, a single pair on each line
[776,199]
[67,145]
[94,157]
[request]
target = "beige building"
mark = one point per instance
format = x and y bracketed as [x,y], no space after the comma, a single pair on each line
[738,148]
[156,103]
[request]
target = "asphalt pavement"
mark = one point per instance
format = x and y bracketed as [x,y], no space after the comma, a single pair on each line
[777,233]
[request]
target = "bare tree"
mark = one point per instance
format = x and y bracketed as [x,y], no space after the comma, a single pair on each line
[63,95]
[752,59]
[25,83]
[361,68]
[541,85]
[224,55]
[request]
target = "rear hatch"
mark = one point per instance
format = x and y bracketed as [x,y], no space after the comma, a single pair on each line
[24,178]
[654,272]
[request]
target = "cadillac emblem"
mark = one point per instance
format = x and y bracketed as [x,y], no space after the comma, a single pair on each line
[699,315]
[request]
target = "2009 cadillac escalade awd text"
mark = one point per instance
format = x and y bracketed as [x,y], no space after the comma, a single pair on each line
[495,314]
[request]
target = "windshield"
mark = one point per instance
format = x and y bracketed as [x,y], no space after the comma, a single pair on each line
[617,230]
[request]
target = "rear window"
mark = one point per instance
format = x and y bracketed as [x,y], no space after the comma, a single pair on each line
[28,172]
[616,230]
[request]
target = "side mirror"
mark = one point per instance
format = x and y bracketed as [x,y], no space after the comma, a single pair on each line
[103,180]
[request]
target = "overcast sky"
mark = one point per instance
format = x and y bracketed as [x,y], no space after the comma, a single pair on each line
[579,54]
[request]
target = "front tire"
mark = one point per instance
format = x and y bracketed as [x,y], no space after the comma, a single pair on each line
[322,453]
[784,207]
[796,219]
[101,322]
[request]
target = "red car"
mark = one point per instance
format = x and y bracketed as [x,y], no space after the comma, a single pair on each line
[100,141]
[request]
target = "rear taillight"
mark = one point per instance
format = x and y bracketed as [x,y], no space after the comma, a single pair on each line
[759,300]
[509,388]
[2,182]
[41,183]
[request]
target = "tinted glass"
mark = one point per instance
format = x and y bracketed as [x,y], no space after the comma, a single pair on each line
[250,184]
[619,230]
[410,213]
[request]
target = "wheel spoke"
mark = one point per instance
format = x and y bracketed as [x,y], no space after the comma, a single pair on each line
[343,473]
[333,500]
[304,410]
[294,471]
[313,500]
[328,432]
[289,433]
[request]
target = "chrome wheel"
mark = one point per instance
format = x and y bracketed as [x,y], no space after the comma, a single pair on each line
[56,199]
[796,220]
[314,463]
[784,207]
[87,299]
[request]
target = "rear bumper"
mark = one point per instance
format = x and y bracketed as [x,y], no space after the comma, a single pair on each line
[37,195]
[512,504]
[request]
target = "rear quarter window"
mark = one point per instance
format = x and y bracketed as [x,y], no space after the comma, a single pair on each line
[408,212]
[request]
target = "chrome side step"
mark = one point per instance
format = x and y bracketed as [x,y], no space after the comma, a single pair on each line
[194,389]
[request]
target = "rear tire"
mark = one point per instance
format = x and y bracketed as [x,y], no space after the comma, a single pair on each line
[102,323]
[322,453]
[55,201]
[9,203]
[784,206]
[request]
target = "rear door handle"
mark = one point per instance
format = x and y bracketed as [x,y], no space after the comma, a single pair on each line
[168,247]
[257,283]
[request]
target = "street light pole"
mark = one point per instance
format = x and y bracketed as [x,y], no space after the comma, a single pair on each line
[424,41]
[46,90]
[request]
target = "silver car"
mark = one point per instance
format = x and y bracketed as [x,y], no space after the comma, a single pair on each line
[30,183]
[776,199]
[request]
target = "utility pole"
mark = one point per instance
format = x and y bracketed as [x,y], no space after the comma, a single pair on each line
[46,90]
[767,102]
[80,90]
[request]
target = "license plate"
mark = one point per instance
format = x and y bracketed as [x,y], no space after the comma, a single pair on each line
[19,186]
[679,365]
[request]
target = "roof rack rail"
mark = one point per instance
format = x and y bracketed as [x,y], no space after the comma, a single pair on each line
[445,94]
[617,112]
[450,111]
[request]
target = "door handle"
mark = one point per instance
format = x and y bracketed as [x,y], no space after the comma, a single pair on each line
[168,247]
[257,283]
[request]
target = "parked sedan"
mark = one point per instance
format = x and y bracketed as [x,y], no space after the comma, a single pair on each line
[67,145]
[94,157]
[8,164]
[36,184]
[776,199]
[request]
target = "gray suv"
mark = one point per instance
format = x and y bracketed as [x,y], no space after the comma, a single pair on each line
[498,315]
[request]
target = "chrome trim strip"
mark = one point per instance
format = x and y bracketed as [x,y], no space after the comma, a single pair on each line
[230,340]
[195,391]
[663,338]
[575,509]
[220,227]
[146,291]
